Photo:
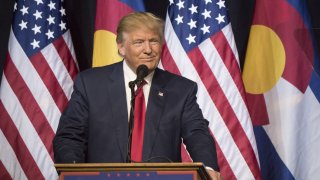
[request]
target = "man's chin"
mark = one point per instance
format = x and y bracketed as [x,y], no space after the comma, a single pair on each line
[151,65]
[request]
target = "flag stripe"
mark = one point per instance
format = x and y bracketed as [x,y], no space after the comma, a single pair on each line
[29,105]
[315,84]
[185,156]
[49,79]
[258,117]
[66,56]
[18,145]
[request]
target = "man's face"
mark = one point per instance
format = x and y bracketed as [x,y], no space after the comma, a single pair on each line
[141,46]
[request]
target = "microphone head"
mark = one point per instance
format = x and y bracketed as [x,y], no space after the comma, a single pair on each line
[142,71]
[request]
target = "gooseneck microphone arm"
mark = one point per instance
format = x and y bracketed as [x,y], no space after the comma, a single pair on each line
[131,118]
[142,72]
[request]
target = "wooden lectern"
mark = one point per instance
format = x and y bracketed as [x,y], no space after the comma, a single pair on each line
[154,171]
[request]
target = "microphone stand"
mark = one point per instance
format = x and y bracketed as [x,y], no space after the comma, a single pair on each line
[131,120]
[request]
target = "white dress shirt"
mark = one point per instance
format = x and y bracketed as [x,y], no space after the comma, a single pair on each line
[129,75]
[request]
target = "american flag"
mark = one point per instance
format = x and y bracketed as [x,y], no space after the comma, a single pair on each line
[36,86]
[200,46]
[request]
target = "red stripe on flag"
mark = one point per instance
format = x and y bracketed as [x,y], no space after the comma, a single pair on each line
[230,61]
[225,109]
[66,57]
[4,174]
[29,105]
[185,156]
[12,135]
[168,62]
[50,80]
[114,12]
[259,117]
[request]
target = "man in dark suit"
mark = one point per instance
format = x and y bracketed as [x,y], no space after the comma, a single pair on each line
[94,126]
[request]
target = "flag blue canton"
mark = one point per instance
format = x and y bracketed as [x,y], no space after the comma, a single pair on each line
[196,20]
[38,23]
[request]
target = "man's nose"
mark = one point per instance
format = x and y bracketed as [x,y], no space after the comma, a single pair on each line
[147,47]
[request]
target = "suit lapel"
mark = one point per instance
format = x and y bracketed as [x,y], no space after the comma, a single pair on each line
[154,111]
[117,96]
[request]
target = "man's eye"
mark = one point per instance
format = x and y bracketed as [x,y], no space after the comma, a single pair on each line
[137,42]
[154,41]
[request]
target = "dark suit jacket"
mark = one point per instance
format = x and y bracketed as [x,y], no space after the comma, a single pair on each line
[94,126]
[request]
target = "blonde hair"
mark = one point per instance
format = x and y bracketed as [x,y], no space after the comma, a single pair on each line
[137,20]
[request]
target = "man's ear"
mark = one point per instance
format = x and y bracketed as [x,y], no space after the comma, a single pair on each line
[121,49]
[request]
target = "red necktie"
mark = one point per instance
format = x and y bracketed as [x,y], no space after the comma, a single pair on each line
[139,121]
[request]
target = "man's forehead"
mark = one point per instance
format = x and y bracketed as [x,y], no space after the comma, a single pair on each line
[140,34]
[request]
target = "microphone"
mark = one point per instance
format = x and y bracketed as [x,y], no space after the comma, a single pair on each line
[142,71]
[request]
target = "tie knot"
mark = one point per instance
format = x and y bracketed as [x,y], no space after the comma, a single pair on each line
[140,86]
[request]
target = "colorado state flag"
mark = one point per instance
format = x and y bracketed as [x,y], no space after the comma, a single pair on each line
[108,14]
[281,75]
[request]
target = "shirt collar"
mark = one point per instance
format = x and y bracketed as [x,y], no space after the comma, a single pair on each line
[131,75]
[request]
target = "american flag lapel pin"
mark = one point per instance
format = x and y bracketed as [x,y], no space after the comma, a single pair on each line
[160,94]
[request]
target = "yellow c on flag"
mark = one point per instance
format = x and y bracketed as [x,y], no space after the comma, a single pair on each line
[265,60]
[105,48]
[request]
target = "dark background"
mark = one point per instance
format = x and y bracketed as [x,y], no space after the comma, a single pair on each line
[81,17]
